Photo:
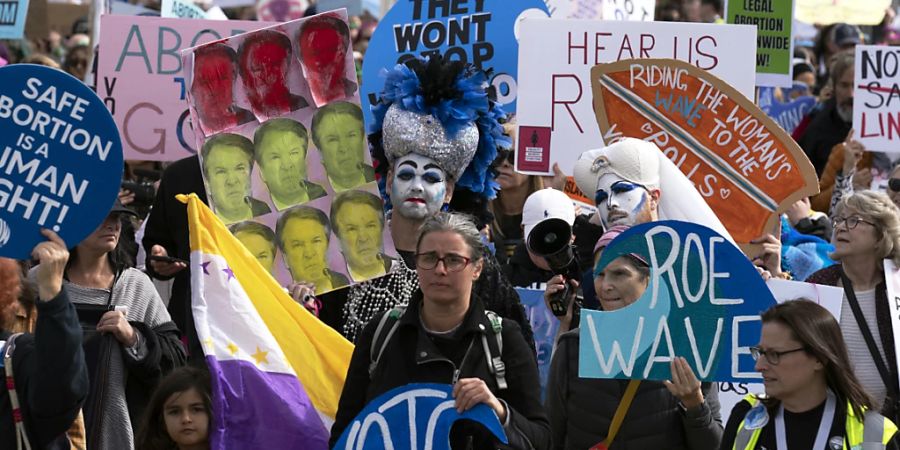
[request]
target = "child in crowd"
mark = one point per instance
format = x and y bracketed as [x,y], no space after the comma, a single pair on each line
[179,414]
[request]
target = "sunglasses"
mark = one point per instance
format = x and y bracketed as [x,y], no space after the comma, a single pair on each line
[894,184]
[504,155]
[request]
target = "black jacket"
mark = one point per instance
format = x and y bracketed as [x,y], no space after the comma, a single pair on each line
[167,225]
[581,410]
[50,374]
[826,130]
[412,356]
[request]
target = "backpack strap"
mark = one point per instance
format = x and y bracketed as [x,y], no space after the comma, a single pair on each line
[380,340]
[495,363]
[21,437]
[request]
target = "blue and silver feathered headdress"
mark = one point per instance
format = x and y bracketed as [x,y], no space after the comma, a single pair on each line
[440,109]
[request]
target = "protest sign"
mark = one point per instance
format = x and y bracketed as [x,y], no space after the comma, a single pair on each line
[825,12]
[181,9]
[139,80]
[411,417]
[829,297]
[787,114]
[892,280]
[544,324]
[12,18]
[876,97]
[640,10]
[481,32]
[354,7]
[554,110]
[702,302]
[774,43]
[743,164]
[294,178]
[61,158]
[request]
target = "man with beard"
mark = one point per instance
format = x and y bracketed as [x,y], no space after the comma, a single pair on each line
[833,121]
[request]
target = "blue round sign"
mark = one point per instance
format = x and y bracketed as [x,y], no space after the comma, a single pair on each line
[481,32]
[60,158]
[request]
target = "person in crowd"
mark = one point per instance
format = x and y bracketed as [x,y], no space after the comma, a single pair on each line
[849,167]
[130,341]
[339,133]
[866,231]
[831,123]
[41,60]
[179,415]
[227,164]
[280,150]
[506,230]
[212,89]
[804,75]
[682,413]
[76,62]
[711,11]
[303,234]
[166,235]
[323,42]
[264,58]
[424,164]
[259,241]
[833,39]
[524,268]
[358,220]
[446,321]
[48,371]
[813,400]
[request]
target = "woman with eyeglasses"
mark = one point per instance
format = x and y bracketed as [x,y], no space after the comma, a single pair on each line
[445,335]
[813,401]
[866,232]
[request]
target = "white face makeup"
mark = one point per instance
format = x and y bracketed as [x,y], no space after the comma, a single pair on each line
[418,186]
[620,202]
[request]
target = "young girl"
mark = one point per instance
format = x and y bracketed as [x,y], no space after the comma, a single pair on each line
[179,413]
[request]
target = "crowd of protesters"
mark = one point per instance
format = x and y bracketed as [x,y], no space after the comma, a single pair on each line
[104,354]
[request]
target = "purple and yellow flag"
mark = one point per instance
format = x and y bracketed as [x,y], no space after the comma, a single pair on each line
[277,371]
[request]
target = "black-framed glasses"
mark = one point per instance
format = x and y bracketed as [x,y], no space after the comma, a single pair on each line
[851,222]
[894,184]
[772,356]
[504,155]
[452,262]
[601,196]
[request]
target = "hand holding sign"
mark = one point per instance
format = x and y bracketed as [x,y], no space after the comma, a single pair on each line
[684,384]
[52,256]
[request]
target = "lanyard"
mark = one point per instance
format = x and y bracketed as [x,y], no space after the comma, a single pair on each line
[824,425]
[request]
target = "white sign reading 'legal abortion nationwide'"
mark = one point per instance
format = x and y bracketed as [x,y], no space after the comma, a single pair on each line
[555,109]
[876,99]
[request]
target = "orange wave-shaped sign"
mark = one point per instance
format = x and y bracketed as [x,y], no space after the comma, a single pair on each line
[745,166]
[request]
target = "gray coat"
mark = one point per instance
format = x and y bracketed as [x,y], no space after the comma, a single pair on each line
[581,410]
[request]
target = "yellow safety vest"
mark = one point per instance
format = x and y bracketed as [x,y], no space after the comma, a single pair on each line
[873,429]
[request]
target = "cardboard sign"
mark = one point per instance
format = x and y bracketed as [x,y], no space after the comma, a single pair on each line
[414,416]
[774,42]
[743,164]
[297,176]
[480,32]
[829,297]
[825,12]
[702,302]
[181,9]
[139,79]
[892,279]
[554,110]
[61,158]
[786,114]
[12,18]
[876,97]
[639,10]
[544,324]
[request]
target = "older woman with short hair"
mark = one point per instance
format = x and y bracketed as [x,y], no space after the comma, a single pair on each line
[867,231]
[441,338]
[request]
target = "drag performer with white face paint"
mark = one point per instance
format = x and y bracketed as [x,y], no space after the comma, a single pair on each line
[435,130]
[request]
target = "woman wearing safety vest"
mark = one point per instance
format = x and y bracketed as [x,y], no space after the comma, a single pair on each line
[813,400]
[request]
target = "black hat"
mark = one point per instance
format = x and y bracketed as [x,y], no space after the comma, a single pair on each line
[844,34]
[119,208]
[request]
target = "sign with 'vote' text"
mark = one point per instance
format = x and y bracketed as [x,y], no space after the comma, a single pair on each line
[60,158]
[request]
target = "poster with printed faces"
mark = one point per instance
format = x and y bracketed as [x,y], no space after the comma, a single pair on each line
[284,156]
